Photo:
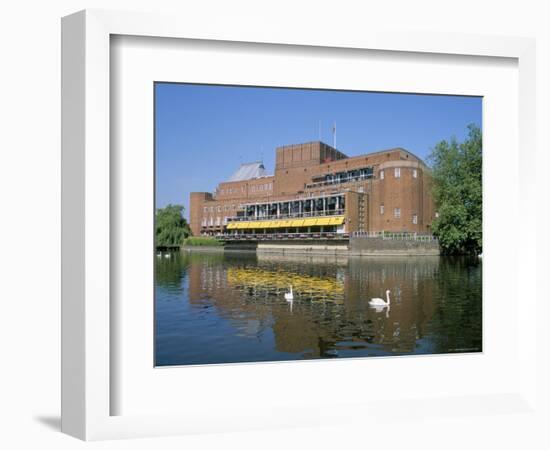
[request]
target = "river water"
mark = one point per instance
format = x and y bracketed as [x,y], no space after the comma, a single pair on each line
[226,308]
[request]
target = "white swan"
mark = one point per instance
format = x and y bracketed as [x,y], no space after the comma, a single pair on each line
[289,295]
[379,301]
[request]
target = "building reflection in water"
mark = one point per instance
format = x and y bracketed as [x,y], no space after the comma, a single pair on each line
[330,316]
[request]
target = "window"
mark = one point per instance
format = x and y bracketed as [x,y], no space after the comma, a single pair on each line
[206,209]
[381,174]
[397,172]
[381,210]
[361,189]
[219,209]
[436,215]
[415,174]
[415,218]
[397,213]
[204,221]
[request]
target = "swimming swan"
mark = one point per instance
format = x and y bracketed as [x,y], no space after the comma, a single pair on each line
[379,301]
[289,295]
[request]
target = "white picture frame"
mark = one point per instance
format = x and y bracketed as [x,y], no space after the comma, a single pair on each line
[87,386]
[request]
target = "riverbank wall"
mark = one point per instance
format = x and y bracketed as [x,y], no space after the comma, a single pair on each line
[309,248]
[359,246]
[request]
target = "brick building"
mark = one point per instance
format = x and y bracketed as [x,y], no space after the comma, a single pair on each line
[316,188]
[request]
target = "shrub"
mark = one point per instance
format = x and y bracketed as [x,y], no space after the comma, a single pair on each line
[202,241]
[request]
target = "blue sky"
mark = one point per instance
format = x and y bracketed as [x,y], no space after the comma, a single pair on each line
[204,132]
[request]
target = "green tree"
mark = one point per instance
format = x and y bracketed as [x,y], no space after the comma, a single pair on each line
[456,171]
[171,228]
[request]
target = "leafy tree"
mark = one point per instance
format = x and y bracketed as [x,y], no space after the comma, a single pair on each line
[456,172]
[171,228]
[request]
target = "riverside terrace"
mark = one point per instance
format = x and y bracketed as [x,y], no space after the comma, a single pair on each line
[317,189]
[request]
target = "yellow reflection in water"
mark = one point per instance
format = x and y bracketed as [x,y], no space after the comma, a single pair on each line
[306,286]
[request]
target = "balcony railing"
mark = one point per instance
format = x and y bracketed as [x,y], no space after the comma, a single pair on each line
[391,235]
[281,236]
[349,179]
[332,212]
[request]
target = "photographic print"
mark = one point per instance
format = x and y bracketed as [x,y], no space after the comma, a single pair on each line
[300,224]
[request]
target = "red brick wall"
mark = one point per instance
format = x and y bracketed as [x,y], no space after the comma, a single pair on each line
[296,167]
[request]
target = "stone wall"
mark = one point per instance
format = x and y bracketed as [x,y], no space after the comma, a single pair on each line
[324,249]
[379,247]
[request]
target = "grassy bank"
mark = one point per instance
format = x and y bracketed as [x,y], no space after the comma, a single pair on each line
[201,241]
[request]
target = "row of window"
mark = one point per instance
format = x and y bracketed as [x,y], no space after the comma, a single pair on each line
[253,188]
[261,187]
[397,173]
[397,214]
[219,208]
[232,190]
[211,221]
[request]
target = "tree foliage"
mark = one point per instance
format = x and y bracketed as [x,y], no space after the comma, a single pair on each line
[171,228]
[456,171]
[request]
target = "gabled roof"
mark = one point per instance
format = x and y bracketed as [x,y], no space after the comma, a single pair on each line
[249,171]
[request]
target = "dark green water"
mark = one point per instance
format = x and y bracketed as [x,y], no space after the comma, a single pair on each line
[225,308]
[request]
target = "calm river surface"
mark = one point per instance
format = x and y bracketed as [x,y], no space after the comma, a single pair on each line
[224,308]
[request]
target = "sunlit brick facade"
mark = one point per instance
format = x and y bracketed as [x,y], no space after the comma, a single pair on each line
[316,188]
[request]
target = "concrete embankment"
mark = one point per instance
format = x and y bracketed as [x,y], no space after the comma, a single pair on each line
[391,247]
[354,247]
[292,247]
[309,248]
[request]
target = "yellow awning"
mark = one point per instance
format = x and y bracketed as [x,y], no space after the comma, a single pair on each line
[336,220]
[285,223]
[323,221]
[309,222]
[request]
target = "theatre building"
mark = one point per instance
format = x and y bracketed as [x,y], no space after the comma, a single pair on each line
[317,189]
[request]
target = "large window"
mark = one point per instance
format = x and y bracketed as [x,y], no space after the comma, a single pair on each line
[381,174]
[381,210]
[397,172]
[415,219]
[397,213]
[415,173]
